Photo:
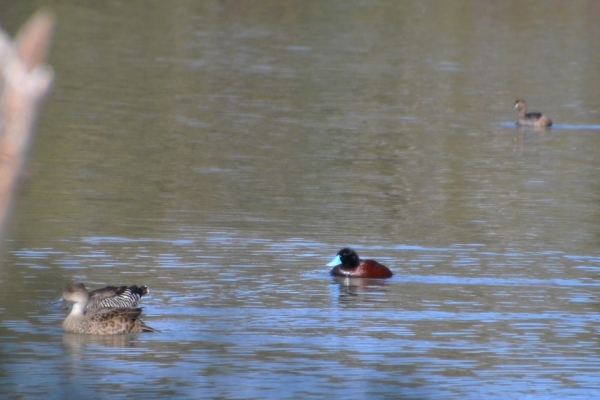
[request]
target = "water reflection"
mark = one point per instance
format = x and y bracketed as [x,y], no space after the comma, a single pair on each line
[352,287]
[78,344]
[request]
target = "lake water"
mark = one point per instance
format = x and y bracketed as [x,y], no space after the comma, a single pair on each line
[222,152]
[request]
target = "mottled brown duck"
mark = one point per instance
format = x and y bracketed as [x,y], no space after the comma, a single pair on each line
[99,321]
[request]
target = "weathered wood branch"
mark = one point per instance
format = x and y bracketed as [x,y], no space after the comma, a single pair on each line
[25,82]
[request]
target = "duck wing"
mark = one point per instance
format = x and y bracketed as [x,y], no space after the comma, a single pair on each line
[533,115]
[114,321]
[104,315]
[105,293]
[116,297]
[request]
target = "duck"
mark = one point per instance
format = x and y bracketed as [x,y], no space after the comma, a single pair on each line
[116,296]
[530,119]
[99,321]
[347,263]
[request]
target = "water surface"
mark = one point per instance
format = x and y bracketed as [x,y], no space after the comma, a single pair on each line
[223,152]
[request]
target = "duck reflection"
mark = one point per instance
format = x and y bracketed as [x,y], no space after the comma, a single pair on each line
[78,342]
[529,134]
[355,291]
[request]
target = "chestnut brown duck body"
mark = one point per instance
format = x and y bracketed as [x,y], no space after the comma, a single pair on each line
[348,264]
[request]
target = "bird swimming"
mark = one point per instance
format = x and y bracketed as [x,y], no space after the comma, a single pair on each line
[102,320]
[532,118]
[348,264]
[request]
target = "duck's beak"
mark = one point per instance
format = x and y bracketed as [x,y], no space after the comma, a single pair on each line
[63,303]
[335,261]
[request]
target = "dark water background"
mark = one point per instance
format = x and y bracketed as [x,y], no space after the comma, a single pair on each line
[222,152]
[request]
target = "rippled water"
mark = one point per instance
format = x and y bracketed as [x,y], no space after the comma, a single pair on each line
[456,321]
[222,153]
